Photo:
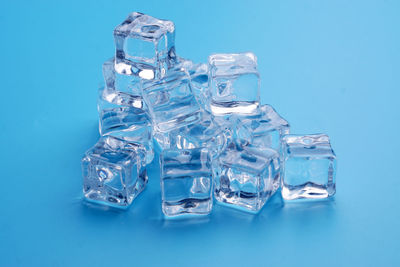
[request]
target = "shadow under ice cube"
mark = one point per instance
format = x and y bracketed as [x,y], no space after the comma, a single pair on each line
[114,172]
[186,181]
[246,177]
[144,46]
[309,167]
[234,83]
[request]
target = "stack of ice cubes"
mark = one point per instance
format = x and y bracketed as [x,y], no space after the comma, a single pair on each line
[214,138]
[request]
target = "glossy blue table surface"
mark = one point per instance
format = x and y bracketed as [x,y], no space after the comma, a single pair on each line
[326,66]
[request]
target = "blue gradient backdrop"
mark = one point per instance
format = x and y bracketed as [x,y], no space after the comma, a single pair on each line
[326,66]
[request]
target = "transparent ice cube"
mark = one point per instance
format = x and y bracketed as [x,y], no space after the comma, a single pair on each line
[266,128]
[114,172]
[144,46]
[205,133]
[186,181]
[171,102]
[234,129]
[119,118]
[126,84]
[234,83]
[309,167]
[246,177]
[162,140]
[198,73]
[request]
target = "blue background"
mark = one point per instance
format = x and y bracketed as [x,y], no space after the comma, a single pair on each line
[326,66]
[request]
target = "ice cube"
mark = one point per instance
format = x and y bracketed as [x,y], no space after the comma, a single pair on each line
[144,46]
[171,102]
[161,140]
[114,172]
[234,129]
[234,83]
[205,133]
[119,117]
[309,167]
[127,84]
[186,181]
[198,73]
[266,128]
[246,177]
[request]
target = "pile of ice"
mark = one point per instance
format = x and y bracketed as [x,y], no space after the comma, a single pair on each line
[214,137]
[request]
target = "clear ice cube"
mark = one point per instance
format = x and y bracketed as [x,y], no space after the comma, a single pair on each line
[234,129]
[186,181]
[162,140]
[234,83]
[266,128]
[246,177]
[309,167]
[126,84]
[205,133]
[144,46]
[114,172]
[171,102]
[119,118]
[198,73]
